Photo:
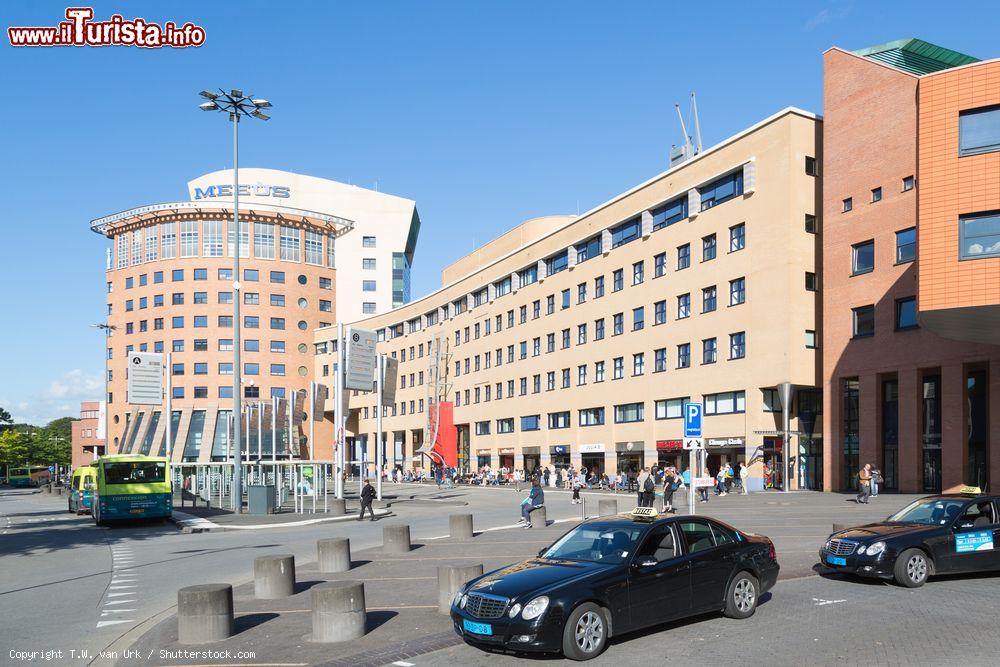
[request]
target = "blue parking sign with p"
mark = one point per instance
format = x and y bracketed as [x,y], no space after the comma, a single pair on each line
[692,420]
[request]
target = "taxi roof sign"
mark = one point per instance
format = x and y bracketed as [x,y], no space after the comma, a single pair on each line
[971,491]
[644,514]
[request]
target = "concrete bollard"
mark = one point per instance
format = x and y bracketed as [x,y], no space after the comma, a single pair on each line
[59,490]
[450,579]
[837,527]
[538,517]
[396,539]
[273,577]
[204,613]
[338,611]
[46,488]
[607,506]
[460,526]
[334,554]
[338,507]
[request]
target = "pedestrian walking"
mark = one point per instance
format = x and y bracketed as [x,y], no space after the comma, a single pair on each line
[744,478]
[648,492]
[669,486]
[577,484]
[876,481]
[864,484]
[535,499]
[367,496]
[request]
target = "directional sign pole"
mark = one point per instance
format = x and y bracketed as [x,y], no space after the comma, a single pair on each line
[691,453]
[379,442]
[170,397]
[338,428]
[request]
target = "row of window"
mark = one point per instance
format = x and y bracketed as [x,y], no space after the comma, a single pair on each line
[729,402]
[224,391]
[863,254]
[222,322]
[205,239]
[249,275]
[224,345]
[201,298]
[226,368]
[863,317]
[663,215]
[876,195]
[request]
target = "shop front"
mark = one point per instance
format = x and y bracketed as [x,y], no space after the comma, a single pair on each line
[722,451]
[592,458]
[630,457]
[670,453]
[532,459]
[483,458]
[559,457]
[773,454]
[506,458]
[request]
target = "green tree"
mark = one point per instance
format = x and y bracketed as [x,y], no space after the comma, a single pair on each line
[14,450]
[5,419]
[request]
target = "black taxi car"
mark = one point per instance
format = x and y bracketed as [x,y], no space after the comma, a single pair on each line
[613,575]
[949,533]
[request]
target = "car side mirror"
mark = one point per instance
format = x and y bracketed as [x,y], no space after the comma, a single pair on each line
[541,552]
[644,562]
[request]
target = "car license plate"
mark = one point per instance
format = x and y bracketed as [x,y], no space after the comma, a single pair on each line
[477,628]
[836,560]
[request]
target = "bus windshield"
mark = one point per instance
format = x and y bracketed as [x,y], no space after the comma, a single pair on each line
[134,472]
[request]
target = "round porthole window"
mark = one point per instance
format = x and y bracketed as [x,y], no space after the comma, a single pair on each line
[302,279]
[303,348]
[116,421]
[302,325]
[302,302]
[303,371]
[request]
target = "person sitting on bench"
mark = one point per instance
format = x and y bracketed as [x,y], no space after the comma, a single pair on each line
[535,499]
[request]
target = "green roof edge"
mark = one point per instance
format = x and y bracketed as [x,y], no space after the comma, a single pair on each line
[918,49]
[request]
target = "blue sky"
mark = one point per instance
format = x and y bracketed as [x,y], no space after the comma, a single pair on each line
[485,113]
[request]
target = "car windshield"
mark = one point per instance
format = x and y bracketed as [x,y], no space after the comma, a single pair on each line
[597,542]
[930,512]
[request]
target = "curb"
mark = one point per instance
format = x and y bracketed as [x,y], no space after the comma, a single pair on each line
[188,523]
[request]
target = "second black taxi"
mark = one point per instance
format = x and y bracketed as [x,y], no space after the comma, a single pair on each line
[613,575]
[950,533]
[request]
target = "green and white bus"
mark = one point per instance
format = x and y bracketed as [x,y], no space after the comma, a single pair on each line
[28,476]
[130,486]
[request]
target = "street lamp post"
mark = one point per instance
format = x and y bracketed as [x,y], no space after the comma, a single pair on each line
[236,105]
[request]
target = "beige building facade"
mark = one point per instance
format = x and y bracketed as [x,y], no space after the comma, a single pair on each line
[574,340]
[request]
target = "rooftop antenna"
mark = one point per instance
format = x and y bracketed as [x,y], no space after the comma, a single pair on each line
[689,149]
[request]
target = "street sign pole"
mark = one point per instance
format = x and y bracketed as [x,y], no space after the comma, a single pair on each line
[693,443]
[338,429]
[170,412]
[379,442]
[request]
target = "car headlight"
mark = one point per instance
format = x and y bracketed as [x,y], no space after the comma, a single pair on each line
[535,608]
[457,599]
[462,603]
[873,549]
[514,610]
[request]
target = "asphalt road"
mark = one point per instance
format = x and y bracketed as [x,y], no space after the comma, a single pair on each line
[67,585]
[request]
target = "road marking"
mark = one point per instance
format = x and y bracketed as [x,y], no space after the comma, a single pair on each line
[110,602]
[118,595]
[114,611]
[115,588]
[403,663]
[821,602]
[102,624]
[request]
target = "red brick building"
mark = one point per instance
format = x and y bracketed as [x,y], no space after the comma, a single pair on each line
[88,434]
[901,391]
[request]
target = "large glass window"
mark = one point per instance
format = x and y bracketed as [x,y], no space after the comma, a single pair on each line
[244,239]
[556,263]
[890,433]
[671,408]
[152,243]
[629,412]
[212,238]
[528,276]
[290,240]
[737,291]
[721,190]
[979,236]
[727,402]
[192,445]
[189,238]
[976,398]
[589,249]
[263,240]
[669,213]
[591,416]
[979,131]
[906,313]
[931,432]
[314,248]
[168,240]
[626,232]
[863,321]
[530,423]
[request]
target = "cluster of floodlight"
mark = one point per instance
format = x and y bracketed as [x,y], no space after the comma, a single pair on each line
[235,103]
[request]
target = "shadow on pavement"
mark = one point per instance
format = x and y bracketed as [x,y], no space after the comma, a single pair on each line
[249,621]
[376,618]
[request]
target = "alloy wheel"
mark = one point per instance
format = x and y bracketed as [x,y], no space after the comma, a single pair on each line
[589,632]
[744,595]
[916,568]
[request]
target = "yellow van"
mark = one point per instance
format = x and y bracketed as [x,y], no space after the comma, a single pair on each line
[81,490]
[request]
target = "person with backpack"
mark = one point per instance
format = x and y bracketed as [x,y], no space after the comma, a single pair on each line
[877,479]
[647,490]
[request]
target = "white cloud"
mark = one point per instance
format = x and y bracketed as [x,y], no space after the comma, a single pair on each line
[61,398]
[836,11]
